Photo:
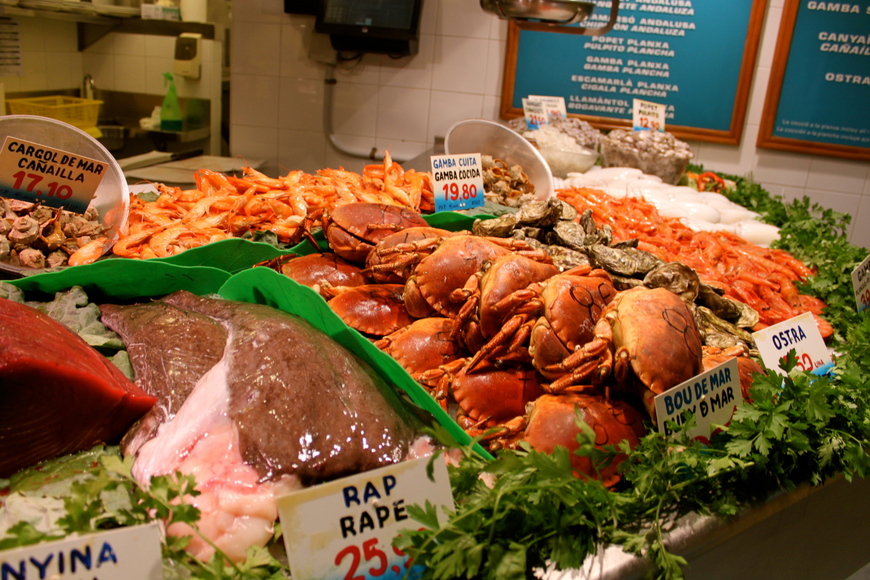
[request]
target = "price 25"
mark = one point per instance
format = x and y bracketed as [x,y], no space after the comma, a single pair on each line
[452,191]
[370,552]
[30,181]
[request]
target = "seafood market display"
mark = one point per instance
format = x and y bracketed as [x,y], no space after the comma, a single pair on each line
[258,419]
[579,131]
[37,236]
[763,278]
[699,210]
[57,394]
[223,206]
[504,183]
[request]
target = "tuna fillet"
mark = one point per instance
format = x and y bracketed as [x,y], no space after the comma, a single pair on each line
[57,394]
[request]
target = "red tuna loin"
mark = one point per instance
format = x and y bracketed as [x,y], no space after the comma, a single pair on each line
[57,394]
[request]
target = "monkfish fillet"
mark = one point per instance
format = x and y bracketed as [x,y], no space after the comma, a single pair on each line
[285,406]
[170,349]
[57,394]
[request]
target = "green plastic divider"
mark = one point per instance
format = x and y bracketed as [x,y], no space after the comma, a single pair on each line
[126,279]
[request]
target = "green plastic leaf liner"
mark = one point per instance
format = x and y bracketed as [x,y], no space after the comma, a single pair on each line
[126,279]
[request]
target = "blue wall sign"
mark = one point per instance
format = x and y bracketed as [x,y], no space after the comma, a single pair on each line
[694,56]
[820,82]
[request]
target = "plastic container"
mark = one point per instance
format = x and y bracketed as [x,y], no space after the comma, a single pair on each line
[112,197]
[170,110]
[565,161]
[81,113]
[491,138]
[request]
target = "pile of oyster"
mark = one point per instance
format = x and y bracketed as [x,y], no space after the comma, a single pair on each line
[574,240]
[36,236]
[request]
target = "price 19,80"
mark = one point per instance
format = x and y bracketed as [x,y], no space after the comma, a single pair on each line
[31,180]
[452,191]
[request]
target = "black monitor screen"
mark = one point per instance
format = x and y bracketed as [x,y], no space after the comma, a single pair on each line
[397,14]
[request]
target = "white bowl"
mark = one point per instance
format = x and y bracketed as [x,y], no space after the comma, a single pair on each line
[112,197]
[491,138]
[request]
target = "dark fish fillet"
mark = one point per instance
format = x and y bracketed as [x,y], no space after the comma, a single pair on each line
[57,394]
[170,349]
[302,404]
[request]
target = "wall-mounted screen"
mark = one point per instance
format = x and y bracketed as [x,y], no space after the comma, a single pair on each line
[384,26]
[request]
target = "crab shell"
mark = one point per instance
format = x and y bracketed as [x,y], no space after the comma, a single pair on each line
[552,422]
[314,269]
[424,345]
[374,309]
[448,268]
[493,396]
[655,339]
[573,305]
[353,229]
[410,235]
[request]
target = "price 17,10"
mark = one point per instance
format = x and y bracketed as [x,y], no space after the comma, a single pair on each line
[452,191]
[31,180]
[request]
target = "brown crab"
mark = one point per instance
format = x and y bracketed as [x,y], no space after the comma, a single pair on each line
[647,339]
[353,229]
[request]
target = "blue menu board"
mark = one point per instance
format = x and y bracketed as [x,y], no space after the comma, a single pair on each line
[694,56]
[820,83]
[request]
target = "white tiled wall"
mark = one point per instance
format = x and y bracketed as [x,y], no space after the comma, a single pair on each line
[132,63]
[277,97]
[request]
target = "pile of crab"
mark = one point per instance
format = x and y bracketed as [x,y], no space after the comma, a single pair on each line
[514,332]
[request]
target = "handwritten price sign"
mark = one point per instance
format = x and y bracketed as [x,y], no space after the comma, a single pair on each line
[344,529]
[861,284]
[799,333]
[648,115]
[458,181]
[33,172]
[553,107]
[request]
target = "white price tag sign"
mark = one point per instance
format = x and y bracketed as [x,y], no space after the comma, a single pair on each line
[33,172]
[124,554]
[648,115]
[345,528]
[535,113]
[861,284]
[710,396]
[799,333]
[554,107]
[458,181]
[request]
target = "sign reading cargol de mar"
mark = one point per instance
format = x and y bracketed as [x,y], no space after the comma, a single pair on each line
[34,172]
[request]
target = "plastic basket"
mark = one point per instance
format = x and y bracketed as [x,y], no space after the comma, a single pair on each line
[81,113]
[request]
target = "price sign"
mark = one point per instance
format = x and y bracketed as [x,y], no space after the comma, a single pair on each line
[535,113]
[711,397]
[345,528]
[124,554]
[554,107]
[648,115]
[458,181]
[861,284]
[33,172]
[799,333]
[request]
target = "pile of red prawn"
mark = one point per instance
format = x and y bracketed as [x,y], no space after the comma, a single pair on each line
[763,278]
[223,206]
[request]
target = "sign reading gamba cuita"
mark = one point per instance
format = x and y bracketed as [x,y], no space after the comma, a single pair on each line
[820,81]
[694,56]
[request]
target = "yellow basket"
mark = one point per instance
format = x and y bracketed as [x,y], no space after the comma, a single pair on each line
[81,113]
